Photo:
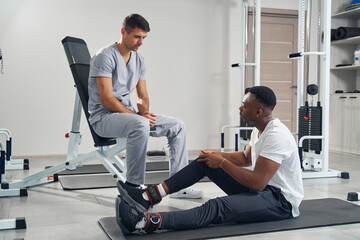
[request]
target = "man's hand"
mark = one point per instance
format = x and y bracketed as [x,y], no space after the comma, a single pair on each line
[212,159]
[151,117]
[204,152]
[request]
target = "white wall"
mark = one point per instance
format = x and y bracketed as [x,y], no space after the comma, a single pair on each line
[280,4]
[188,53]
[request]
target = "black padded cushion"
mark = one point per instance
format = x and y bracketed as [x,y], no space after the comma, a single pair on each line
[72,39]
[2,163]
[76,48]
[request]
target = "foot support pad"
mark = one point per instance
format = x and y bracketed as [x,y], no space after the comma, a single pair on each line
[353,196]
[20,223]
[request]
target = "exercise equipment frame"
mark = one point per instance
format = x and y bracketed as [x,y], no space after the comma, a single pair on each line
[6,224]
[244,64]
[79,60]
[317,165]
[10,163]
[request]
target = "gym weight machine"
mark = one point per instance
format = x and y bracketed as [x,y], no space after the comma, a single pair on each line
[313,121]
[244,128]
[12,164]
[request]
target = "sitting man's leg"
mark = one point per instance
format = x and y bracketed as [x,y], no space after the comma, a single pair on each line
[136,129]
[243,205]
[175,131]
[189,175]
[154,193]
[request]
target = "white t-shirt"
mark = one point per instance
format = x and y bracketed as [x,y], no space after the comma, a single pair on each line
[277,144]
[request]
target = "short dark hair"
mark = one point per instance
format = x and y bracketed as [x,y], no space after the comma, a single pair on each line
[135,21]
[265,95]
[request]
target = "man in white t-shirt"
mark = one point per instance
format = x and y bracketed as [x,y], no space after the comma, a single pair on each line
[272,190]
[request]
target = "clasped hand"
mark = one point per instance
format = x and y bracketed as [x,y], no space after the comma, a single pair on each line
[212,159]
[151,117]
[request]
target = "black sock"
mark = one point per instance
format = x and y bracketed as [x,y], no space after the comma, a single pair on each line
[131,184]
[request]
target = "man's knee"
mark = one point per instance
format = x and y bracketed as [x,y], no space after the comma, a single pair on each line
[181,125]
[177,127]
[141,126]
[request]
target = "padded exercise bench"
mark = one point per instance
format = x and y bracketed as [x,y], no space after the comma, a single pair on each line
[79,60]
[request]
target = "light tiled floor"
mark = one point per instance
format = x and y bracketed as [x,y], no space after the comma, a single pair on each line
[52,213]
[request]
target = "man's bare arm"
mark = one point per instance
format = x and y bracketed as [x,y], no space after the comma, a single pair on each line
[143,102]
[241,159]
[256,179]
[107,98]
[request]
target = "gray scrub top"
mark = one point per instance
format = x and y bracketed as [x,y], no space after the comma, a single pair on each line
[108,62]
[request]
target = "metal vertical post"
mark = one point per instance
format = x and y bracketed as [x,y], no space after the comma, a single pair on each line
[326,82]
[243,29]
[257,42]
[74,136]
[300,72]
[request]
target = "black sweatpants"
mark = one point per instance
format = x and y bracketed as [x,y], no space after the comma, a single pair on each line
[241,204]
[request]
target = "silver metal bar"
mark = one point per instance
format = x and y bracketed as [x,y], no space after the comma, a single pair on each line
[6,133]
[319,26]
[75,137]
[313,53]
[46,175]
[326,83]
[308,137]
[6,224]
[308,32]
[109,166]
[257,42]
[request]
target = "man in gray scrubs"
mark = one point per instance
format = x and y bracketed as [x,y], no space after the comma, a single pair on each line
[115,71]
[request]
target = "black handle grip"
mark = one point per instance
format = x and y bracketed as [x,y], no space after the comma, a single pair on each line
[235,65]
[222,140]
[8,149]
[236,142]
[294,55]
[301,157]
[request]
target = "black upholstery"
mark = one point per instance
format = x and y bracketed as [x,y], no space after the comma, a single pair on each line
[2,163]
[79,60]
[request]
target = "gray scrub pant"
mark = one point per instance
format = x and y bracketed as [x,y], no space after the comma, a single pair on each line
[241,205]
[137,130]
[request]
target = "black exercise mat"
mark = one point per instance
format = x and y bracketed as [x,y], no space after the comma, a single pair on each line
[91,181]
[314,213]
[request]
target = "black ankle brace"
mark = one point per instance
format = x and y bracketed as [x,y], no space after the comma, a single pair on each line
[153,222]
[153,194]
